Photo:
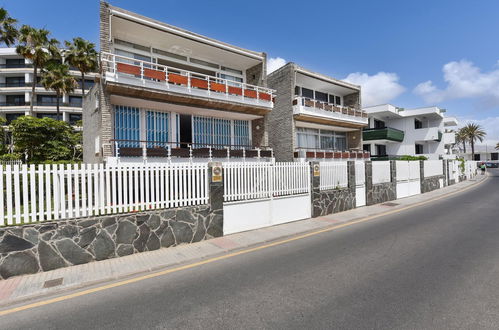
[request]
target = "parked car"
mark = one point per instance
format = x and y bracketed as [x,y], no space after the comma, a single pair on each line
[492,168]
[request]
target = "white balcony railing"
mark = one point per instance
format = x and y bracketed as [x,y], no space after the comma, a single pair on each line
[315,108]
[425,134]
[147,74]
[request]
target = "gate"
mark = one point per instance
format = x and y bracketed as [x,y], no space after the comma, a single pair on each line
[258,195]
[408,178]
[360,183]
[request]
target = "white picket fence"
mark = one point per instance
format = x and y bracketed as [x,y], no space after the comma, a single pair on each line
[381,172]
[247,181]
[333,175]
[54,192]
[433,167]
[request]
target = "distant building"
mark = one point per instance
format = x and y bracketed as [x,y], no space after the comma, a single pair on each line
[315,117]
[394,132]
[16,81]
[483,152]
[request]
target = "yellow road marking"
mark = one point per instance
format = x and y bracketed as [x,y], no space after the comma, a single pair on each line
[226,256]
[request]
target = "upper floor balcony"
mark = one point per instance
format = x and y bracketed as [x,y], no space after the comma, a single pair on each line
[385,133]
[186,86]
[324,110]
[427,134]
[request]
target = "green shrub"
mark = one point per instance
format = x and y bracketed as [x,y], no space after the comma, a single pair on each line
[408,157]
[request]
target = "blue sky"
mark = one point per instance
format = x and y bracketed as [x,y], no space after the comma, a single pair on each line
[409,53]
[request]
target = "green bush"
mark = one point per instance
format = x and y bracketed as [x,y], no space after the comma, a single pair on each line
[408,157]
[9,157]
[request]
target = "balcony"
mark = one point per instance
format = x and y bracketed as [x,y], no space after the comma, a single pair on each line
[449,138]
[386,133]
[186,86]
[16,66]
[328,112]
[427,134]
[310,153]
[171,150]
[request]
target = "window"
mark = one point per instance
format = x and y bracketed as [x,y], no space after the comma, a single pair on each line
[205,63]
[75,101]
[230,78]
[321,96]
[217,131]
[338,100]
[379,123]
[168,54]
[48,100]
[15,100]
[131,45]
[239,72]
[9,117]
[14,81]
[74,118]
[366,147]
[132,55]
[419,149]
[297,90]
[380,150]
[305,92]
[14,63]
[127,126]
[156,127]
[241,132]
[311,138]
[332,99]
[418,124]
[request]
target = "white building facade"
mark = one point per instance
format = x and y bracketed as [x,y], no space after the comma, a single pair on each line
[16,81]
[393,132]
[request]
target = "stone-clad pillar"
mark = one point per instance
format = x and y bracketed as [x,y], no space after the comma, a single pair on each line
[351,175]
[315,191]
[369,182]
[393,171]
[445,165]
[216,198]
[421,174]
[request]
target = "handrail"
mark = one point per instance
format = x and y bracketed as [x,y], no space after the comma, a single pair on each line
[326,106]
[380,128]
[192,143]
[159,72]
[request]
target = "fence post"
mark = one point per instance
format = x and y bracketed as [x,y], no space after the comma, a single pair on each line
[445,165]
[393,178]
[369,182]
[315,187]
[216,198]
[351,175]
[421,175]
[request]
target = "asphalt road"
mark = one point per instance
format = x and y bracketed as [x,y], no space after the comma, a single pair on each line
[434,267]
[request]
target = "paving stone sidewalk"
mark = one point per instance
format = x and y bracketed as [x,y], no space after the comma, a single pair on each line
[18,289]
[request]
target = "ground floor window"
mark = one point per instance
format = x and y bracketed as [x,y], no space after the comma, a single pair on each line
[366,147]
[419,149]
[380,150]
[127,126]
[311,138]
[156,127]
[210,131]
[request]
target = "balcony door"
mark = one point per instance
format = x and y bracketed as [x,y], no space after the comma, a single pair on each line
[185,125]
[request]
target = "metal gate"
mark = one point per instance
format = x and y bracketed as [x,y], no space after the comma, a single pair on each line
[408,178]
[360,183]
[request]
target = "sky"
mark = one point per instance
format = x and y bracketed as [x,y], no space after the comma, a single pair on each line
[407,53]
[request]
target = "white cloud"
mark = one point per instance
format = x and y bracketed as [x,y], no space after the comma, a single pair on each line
[376,89]
[275,63]
[464,80]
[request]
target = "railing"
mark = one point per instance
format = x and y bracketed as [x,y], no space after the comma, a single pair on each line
[20,84]
[249,181]
[54,192]
[166,75]
[384,133]
[334,175]
[169,150]
[312,153]
[381,172]
[16,66]
[13,104]
[349,111]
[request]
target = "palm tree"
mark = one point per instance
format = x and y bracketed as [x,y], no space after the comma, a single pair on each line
[82,55]
[497,146]
[461,138]
[473,133]
[8,31]
[35,45]
[56,77]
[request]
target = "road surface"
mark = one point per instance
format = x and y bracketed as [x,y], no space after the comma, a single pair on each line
[431,267]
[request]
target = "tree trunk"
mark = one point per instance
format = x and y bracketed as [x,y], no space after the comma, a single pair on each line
[32,101]
[472,142]
[57,103]
[82,86]
[464,146]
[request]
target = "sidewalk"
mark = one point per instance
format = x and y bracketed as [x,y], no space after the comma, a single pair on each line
[18,289]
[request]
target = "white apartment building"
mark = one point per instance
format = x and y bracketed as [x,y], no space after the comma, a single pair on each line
[394,132]
[16,79]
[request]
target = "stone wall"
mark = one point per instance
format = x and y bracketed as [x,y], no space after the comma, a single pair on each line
[381,192]
[325,202]
[42,247]
[431,183]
